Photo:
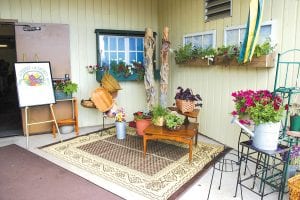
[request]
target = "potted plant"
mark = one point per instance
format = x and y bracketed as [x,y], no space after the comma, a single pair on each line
[186,101]
[142,121]
[158,114]
[264,110]
[120,123]
[173,122]
[295,117]
[64,89]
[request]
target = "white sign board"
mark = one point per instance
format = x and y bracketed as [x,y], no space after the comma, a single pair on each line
[34,83]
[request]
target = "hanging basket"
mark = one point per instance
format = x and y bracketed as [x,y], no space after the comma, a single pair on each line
[185,105]
[110,83]
[102,99]
[87,103]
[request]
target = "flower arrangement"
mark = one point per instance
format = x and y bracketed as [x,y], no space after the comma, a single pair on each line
[257,106]
[295,155]
[120,115]
[94,68]
[142,115]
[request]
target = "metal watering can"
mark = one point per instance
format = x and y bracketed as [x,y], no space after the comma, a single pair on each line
[264,137]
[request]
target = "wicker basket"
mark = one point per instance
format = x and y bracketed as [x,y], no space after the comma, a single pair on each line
[294,187]
[88,103]
[185,105]
[102,99]
[110,83]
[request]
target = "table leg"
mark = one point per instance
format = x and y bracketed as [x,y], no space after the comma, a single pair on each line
[190,150]
[145,145]
[196,138]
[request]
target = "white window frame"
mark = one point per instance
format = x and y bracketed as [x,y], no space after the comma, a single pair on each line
[213,32]
[239,27]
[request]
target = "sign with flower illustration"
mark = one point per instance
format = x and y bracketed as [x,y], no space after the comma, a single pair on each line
[34,83]
[122,71]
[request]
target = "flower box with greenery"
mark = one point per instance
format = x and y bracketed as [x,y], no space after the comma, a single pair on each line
[64,89]
[120,70]
[158,115]
[173,121]
[264,56]
[186,101]
[264,110]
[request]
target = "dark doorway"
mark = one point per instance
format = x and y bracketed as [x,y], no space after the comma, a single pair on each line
[10,113]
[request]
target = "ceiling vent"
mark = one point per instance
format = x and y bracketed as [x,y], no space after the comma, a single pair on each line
[216,9]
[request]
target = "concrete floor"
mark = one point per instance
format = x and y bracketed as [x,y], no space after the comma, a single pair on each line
[199,190]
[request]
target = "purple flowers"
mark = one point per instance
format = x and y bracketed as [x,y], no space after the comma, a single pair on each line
[295,155]
[258,106]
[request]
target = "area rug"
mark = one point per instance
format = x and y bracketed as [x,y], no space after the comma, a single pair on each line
[27,176]
[163,172]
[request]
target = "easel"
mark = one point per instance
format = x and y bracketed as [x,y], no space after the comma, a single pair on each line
[41,122]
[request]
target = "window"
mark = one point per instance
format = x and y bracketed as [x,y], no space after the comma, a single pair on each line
[201,40]
[126,48]
[121,51]
[235,35]
[216,9]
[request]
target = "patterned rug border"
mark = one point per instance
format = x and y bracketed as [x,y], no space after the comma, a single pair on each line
[107,132]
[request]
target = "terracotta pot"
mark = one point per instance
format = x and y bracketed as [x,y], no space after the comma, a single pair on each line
[141,124]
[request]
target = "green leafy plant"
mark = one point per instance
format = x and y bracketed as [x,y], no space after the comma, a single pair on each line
[184,53]
[173,121]
[157,112]
[263,49]
[67,86]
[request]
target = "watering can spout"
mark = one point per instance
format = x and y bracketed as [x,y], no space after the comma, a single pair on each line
[235,120]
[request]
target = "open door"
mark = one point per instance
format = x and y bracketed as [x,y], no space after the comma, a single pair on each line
[10,113]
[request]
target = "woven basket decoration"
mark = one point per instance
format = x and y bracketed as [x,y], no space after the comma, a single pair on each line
[110,83]
[185,105]
[294,187]
[102,99]
[88,103]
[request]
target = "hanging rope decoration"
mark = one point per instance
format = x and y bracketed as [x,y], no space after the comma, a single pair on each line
[164,70]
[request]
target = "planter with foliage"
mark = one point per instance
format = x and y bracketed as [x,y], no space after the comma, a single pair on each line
[158,115]
[264,56]
[186,101]
[63,89]
[173,122]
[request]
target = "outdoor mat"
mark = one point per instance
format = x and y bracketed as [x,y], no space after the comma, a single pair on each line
[27,176]
[162,173]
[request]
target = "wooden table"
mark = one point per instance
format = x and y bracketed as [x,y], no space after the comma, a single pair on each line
[184,135]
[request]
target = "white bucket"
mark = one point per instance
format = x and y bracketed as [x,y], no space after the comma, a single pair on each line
[266,136]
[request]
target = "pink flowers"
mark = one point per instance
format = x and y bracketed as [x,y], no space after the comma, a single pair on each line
[258,106]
